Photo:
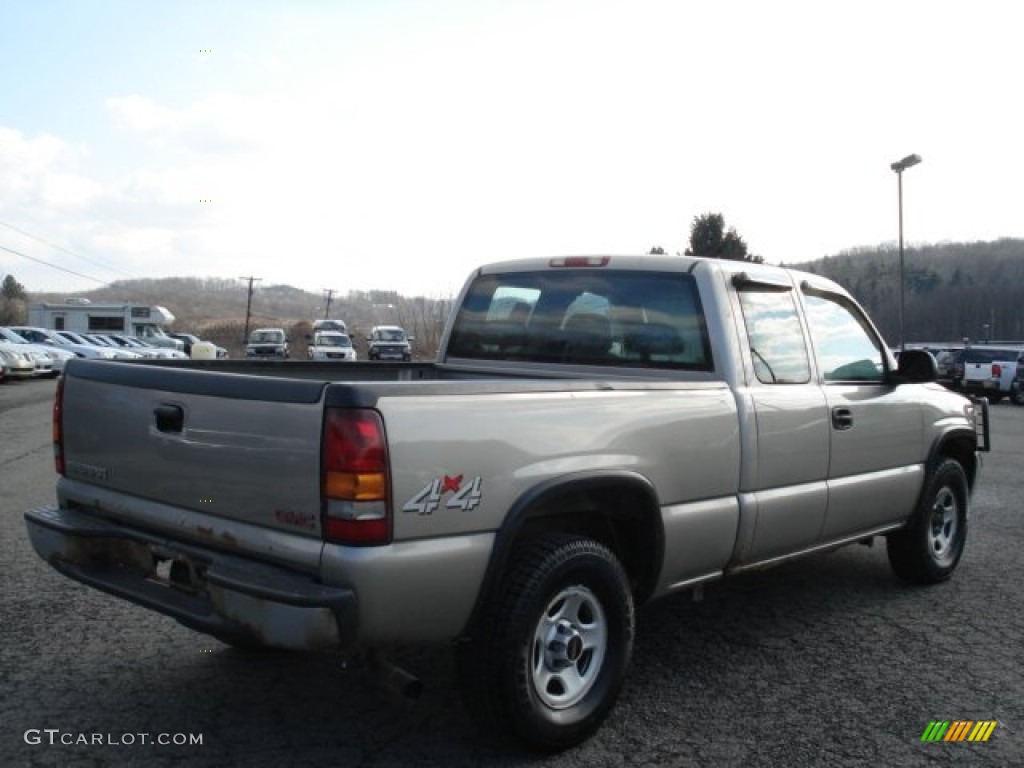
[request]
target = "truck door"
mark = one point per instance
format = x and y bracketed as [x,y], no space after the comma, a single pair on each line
[875,429]
[786,465]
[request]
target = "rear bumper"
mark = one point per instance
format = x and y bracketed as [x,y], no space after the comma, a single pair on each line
[223,595]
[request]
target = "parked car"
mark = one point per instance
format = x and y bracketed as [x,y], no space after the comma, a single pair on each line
[56,358]
[389,342]
[945,361]
[190,340]
[148,353]
[45,336]
[97,341]
[267,342]
[42,361]
[331,345]
[144,348]
[19,363]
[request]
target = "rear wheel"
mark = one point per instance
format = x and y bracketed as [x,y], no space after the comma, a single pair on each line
[550,652]
[1017,394]
[928,550]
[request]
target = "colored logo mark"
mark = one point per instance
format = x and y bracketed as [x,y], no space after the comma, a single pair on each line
[958,730]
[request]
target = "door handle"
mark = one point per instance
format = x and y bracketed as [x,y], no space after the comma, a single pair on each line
[842,418]
[169,418]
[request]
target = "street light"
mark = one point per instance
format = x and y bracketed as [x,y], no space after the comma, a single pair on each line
[900,166]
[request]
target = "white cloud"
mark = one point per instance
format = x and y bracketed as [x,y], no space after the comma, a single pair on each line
[214,125]
[41,171]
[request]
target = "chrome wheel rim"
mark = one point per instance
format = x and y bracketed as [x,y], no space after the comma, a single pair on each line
[942,528]
[569,647]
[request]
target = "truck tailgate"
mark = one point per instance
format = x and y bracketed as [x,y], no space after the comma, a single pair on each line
[235,447]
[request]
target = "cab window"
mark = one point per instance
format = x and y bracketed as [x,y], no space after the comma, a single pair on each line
[777,346]
[846,347]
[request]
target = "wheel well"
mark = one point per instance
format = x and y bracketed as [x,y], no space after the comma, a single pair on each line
[962,451]
[623,517]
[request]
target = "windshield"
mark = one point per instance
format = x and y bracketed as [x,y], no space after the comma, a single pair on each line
[11,337]
[390,334]
[266,337]
[74,338]
[333,340]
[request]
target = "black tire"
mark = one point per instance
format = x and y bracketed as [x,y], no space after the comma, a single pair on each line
[994,398]
[1017,395]
[929,548]
[551,648]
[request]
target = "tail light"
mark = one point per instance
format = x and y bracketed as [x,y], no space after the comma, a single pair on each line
[354,478]
[997,371]
[58,427]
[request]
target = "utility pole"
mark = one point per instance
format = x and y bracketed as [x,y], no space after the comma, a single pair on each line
[248,306]
[327,310]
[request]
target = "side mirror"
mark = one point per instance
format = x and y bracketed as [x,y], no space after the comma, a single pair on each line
[917,366]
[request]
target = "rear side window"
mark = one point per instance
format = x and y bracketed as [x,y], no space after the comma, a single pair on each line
[777,345]
[584,316]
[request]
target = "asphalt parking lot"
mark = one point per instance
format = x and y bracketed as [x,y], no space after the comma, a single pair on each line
[826,661]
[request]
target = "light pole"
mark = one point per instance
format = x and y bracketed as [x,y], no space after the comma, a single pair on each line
[900,166]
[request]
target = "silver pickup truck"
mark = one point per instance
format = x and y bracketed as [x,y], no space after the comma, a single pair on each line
[596,432]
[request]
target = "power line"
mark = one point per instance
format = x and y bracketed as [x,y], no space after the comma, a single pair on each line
[55,266]
[62,248]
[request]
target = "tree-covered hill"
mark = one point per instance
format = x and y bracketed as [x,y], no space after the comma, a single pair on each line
[952,290]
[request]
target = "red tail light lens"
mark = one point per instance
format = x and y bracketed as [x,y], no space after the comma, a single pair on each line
[997,370]
[354,478]
[58,427]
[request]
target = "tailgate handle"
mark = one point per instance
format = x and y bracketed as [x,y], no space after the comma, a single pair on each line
[169,418]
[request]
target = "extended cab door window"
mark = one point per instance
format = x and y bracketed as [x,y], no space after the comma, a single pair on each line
[777,345]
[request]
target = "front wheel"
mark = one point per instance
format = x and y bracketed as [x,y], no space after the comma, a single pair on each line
[549,654]
[929,548]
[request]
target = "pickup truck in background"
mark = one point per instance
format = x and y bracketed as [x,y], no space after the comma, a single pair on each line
[389,342]
[267,343]
[987,370]
[596,433]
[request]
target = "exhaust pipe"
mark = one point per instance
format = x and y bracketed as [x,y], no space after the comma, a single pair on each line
[392,677]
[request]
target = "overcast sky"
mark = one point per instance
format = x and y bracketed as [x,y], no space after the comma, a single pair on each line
[396,144]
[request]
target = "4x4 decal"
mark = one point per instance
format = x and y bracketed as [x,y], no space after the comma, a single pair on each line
[430,497]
